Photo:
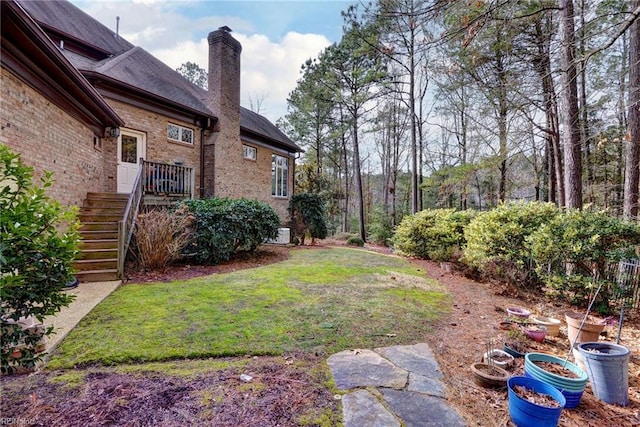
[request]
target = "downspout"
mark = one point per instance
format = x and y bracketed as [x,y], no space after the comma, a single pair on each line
[202,162]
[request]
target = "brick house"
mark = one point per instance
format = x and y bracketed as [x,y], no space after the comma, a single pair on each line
[99,112]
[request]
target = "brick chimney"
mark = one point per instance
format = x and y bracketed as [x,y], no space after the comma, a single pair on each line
[223,151]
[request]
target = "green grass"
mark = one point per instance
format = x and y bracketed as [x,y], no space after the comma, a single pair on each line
[323,300]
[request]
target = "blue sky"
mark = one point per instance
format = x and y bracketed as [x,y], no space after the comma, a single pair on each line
[276,36]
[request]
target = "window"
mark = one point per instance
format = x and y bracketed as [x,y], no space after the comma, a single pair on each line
[179,133]
[97,142]
[249,152]
[279,175]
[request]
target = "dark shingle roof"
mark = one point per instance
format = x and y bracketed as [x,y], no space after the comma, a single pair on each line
[140,69]
[136,67]
[68,19]
[260,125]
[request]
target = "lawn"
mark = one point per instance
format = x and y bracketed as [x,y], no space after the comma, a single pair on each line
[318,301]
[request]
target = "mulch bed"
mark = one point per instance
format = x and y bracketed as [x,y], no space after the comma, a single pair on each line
[280,391]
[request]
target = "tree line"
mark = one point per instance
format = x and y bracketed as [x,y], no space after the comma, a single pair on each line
[464,104]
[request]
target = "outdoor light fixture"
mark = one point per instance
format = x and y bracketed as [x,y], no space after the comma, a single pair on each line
[111,132]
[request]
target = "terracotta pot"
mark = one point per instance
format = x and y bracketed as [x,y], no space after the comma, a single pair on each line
[489,376]
[590,331]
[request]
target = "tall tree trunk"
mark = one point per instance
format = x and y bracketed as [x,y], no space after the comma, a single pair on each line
[502,129]
[414,145]
[584,116]
[570,116]
[347,189]
[358,175]
[632,168]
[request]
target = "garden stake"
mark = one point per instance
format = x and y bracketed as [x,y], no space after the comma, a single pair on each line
[584,319]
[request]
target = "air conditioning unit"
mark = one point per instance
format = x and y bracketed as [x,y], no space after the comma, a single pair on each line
[284,237]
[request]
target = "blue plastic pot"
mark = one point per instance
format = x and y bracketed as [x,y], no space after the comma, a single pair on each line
[607,366]
[528,414]
[571,388]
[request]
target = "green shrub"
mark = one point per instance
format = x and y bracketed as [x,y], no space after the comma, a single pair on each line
[307,216]
[435,234]
[38,243]
[355,241]
[573,251]
[161,235]
[226,226]
[496,241]
[380,228]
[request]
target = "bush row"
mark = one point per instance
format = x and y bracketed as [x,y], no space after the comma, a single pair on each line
[208,231]
[528,244]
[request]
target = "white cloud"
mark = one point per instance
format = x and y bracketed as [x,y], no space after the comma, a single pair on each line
[269,69]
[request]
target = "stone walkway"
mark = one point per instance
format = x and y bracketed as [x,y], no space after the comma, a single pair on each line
[88,295]
[392,386]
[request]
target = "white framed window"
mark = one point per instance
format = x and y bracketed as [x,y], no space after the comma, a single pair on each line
[179,133]
[249,152]
[279,176]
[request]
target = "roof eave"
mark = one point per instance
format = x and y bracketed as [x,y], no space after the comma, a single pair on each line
[124,91]
[290,147]
[61,82]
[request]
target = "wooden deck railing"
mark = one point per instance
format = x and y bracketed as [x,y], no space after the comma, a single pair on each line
[153,178]
[166,179]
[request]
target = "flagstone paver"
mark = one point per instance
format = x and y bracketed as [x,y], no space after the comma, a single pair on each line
[362,368]
[361,408]
[392,386]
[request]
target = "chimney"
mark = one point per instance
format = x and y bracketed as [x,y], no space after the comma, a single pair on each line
[222,150]
[224,81]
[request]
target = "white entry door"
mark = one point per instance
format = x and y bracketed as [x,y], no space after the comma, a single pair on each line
[131,147]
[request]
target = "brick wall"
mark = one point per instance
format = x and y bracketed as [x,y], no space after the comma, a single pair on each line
[49,139]
[254,182]
[158,147]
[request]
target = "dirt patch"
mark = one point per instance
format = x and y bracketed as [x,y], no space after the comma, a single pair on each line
[283,391]
[267,391]
[474,326]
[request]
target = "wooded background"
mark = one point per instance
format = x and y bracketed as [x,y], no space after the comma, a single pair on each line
[468,103]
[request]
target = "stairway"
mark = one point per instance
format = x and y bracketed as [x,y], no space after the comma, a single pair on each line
[98,258]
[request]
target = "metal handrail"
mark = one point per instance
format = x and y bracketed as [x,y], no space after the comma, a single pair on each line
[127,223]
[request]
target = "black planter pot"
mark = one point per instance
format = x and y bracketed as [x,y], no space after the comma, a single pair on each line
[72,284]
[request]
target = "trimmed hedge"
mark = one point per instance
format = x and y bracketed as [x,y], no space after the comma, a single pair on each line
[528,244]
[225,226]
[497,241]
[573,251]
[435,234]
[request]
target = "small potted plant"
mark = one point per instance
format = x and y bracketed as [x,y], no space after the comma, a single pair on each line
[516,343]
